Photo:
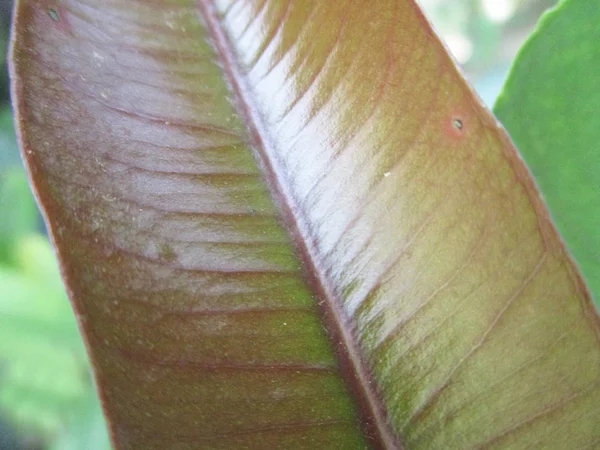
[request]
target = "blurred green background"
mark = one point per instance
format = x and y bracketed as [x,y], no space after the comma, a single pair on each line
[47,396]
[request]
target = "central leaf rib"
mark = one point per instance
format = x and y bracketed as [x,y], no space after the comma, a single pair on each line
[338,325]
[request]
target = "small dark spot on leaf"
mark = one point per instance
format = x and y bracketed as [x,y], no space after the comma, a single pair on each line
[457,124]
[54,14]
[167,253]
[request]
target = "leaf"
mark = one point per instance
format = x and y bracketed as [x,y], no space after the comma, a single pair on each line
[9,156]
[292,225]
[18,212]
[88,430]
[550,106]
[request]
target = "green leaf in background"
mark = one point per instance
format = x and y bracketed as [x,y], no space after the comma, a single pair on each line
[42,359]
[45,386]
[550,106]
[18,211]
[87,430]
[9,151]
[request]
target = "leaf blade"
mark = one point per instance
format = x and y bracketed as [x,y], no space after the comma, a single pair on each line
[443,111]
[396,186]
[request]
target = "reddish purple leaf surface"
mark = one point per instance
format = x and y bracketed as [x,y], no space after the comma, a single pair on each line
[292,225]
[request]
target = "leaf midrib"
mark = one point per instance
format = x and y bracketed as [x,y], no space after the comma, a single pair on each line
[353,366]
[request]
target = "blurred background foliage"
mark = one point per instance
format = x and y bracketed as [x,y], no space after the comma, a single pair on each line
[47,396]
[484,36]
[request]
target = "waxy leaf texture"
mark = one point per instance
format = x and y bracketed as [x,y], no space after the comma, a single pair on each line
[291,224]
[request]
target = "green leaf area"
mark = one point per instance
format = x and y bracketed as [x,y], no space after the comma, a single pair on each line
[551,108]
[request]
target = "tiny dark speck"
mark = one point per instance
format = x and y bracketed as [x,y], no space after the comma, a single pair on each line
[54,14]
[167,253]
[458,124]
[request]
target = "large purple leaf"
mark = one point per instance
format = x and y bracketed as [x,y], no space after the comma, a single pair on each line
[292,225]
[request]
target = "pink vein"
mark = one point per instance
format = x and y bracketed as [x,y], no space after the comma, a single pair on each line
[446,383]
[274,428]
[452,414]
[317,74]
[550,409]
[397,329]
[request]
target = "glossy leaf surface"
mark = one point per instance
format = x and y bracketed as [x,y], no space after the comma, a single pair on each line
[551,105]
[291,225]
